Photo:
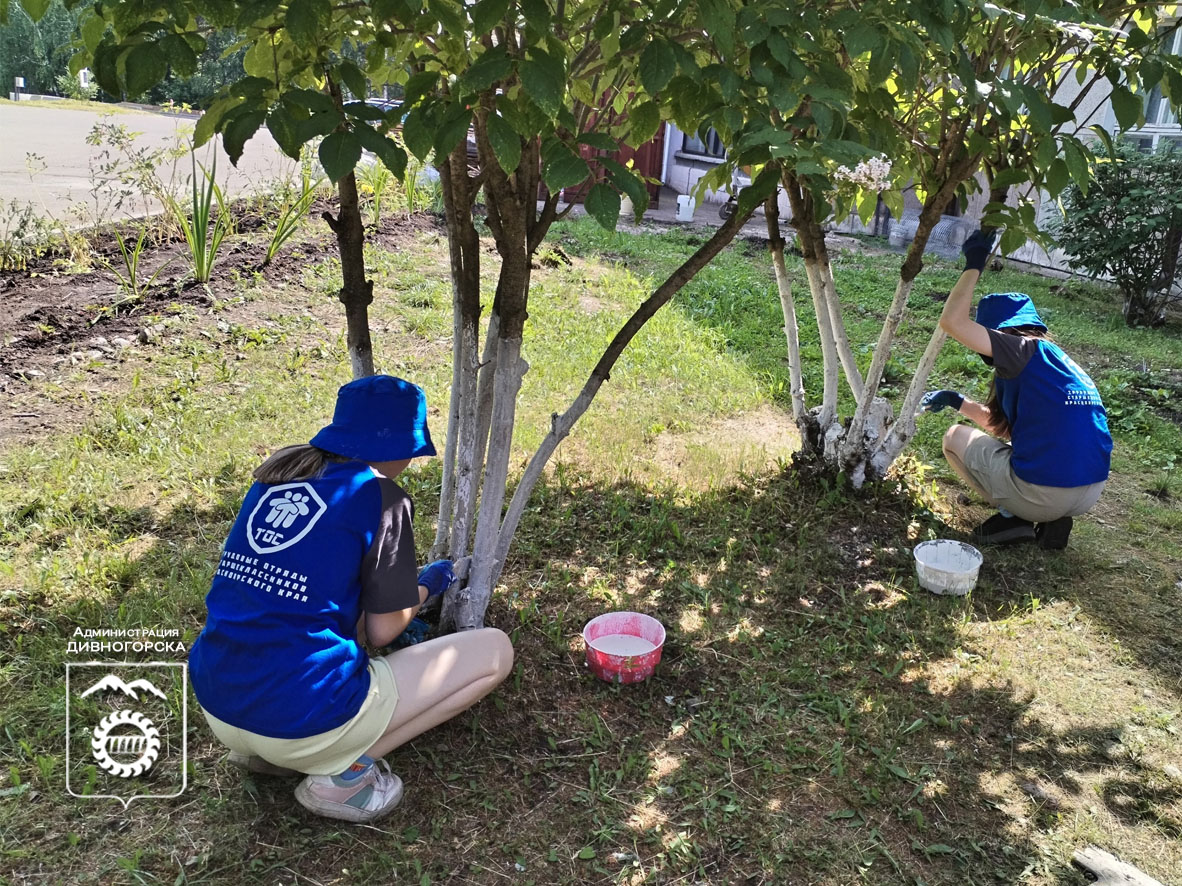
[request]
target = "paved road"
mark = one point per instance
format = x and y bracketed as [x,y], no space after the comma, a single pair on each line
[59,136]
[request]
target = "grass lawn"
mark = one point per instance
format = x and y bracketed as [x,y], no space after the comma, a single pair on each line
[817,718]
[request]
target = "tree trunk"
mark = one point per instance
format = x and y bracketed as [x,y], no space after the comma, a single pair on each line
[841,339]
[471,602]
[356,292]
[804,221]
[858,445]
[460,461]
[787,306]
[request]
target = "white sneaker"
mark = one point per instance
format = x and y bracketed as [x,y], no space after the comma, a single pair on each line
[365,798]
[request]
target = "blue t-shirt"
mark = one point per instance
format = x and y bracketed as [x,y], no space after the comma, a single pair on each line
[1058,426]
[279,654]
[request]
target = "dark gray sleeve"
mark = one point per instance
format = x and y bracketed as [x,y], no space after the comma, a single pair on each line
[389,574]
[1011,353]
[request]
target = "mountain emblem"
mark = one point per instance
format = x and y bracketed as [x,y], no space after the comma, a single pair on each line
[112,682]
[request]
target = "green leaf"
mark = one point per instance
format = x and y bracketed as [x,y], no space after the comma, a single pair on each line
[657,66]
[238,130]
[106,67]
[603,204]
[417,132]
[627,181]
[36,9]
[718,20]
[490,67]
[862,38]
[487,14]
[452,129]
[450,14]
[305,19]
[352,77]
[316,125]
[419,85]
[365,111]
[339,153]
[939,849]
[1058,177]
[644,120]
[586,853]
[312,99]
[282,127]
[1011,240]
[93,28]
[146,66]
[1127,107]
[1077,165]
[208,124]
[181,57]
[537,14]
[601,141]
[543,78]
[506,144]
[385,149]
[562,167]
[764,186]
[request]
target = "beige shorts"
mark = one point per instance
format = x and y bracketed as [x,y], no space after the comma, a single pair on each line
[329,753]
[987,459]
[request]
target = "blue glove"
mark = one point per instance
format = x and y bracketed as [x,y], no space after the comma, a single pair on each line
[977,248]
[934,401]
[416,632]
[437,577]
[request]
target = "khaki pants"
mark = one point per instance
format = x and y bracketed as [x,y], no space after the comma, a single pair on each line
[986,465]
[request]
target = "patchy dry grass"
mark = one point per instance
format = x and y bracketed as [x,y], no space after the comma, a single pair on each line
[816,718]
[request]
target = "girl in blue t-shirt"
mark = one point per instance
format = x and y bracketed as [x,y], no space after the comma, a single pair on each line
[320,562]
[1055,463]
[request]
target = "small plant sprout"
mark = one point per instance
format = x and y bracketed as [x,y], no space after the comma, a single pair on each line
[130,277]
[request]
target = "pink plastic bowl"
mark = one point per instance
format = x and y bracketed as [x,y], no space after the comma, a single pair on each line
[615,668]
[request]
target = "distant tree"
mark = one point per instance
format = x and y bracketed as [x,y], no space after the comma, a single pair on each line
[1127,226]
[35,44]
[220,63]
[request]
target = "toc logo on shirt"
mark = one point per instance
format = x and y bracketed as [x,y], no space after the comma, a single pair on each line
[283,516]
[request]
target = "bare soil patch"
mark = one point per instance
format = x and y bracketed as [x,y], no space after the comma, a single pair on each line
[53,322]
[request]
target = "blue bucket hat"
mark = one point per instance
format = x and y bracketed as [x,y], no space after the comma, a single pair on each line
[1002,310]
[378,418]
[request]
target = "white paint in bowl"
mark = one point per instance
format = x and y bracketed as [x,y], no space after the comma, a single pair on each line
[623,644]
[947,566]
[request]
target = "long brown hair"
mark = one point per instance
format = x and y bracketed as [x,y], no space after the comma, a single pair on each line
[293,463]
[997,417]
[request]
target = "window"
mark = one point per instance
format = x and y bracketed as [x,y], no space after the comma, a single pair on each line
[1157,109]
[711,146]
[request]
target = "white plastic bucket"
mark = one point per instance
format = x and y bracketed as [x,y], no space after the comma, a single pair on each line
[946,566]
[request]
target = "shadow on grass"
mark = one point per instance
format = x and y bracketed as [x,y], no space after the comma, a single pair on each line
[796,730]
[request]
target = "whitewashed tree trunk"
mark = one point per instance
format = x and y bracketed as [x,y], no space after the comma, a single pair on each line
[841,339]
[471,602]
[464,252]
[791,333]
[854,446]
[831,363]
[904,427]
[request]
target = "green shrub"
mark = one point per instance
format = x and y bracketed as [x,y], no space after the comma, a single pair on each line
[1128,227]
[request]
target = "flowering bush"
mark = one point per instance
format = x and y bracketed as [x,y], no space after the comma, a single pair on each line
[873,174]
